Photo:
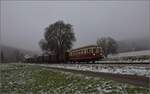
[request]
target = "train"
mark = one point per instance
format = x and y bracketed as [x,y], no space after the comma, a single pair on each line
[85,54]
[89,53]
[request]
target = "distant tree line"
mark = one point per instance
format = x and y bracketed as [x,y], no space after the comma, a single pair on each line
[15,57]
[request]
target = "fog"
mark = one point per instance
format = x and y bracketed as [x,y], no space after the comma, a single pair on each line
[23,22]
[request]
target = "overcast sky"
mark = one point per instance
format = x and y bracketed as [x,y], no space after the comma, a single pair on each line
[23,23]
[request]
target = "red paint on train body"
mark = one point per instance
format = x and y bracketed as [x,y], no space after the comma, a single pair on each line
[87,53]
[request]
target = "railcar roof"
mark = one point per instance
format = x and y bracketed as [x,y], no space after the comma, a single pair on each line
[88,46]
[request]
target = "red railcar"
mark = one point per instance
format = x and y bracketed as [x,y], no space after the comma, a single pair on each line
[86,53]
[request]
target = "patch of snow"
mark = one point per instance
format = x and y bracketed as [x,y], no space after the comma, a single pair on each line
[133,70]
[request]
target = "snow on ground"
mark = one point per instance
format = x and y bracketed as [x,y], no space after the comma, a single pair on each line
[132,70]
[33,79]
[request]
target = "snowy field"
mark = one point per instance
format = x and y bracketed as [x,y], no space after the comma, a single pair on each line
[132,70]
[35,79]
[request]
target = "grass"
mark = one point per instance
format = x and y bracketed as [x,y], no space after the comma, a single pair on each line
[33,79]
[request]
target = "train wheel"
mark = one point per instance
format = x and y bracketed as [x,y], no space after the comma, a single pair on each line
[93,61]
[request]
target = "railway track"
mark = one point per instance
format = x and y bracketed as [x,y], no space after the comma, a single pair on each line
[133,79]
[117,63]
[124,78]
[143,64]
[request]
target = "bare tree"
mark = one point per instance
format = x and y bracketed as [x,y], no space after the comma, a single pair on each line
[59,37]
[108,45]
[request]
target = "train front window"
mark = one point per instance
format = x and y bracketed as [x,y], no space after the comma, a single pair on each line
[84,51]
[94,50]
[81,51]
[88,50]
[97,50]
[70,54]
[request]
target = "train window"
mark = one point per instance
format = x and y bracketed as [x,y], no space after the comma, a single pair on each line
[100,50]
[97,50]
[90,50]
[72,53]
[94,50]
[87,51]
[81,51]
[75,53]
[84,51]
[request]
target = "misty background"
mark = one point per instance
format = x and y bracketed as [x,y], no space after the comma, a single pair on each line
[22,23]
